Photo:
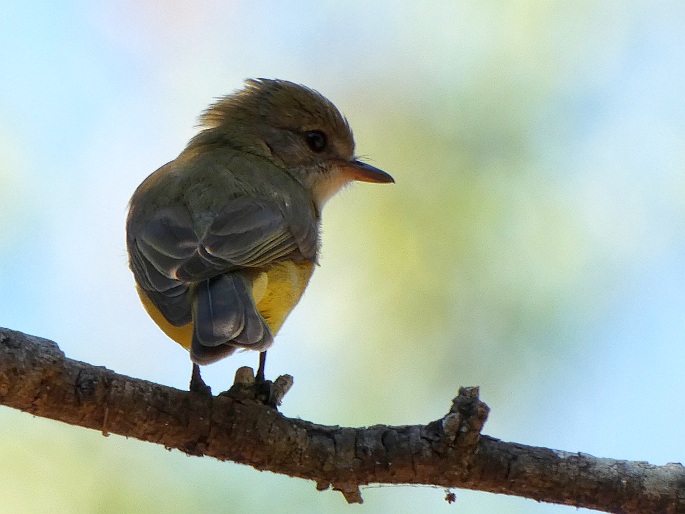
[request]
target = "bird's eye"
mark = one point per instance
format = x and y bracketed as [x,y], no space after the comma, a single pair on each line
[316,140]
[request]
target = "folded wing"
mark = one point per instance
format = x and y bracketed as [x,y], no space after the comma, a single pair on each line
[205,277]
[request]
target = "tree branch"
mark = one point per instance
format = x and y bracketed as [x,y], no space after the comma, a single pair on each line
[36,377]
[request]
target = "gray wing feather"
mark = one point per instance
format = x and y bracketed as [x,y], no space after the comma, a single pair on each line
[166,243]
[168,256]
[249,233]
[156,253]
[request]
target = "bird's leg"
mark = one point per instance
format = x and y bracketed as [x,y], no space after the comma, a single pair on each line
[197,385]
[264,386]
[262,364]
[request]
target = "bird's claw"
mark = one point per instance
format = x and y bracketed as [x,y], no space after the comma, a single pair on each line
[197,385]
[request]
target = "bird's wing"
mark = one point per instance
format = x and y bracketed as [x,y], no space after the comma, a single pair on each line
[156,251]
[168,255]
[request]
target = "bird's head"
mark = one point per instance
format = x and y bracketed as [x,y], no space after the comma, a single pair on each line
[297,129]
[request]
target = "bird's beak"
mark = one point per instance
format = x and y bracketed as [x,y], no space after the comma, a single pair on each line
[363,172]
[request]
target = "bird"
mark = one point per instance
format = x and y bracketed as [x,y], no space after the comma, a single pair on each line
[223,240]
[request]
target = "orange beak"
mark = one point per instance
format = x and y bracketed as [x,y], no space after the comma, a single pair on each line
[363,172]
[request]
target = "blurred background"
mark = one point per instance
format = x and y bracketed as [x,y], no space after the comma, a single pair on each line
[533,244]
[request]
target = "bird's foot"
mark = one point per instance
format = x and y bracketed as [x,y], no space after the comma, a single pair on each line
[248,388]
[197,385]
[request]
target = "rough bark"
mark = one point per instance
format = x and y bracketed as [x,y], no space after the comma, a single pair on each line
[36,377]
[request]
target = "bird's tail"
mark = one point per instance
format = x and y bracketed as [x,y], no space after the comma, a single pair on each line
[225,317]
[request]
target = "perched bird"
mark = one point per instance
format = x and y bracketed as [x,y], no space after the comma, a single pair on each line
[223,240]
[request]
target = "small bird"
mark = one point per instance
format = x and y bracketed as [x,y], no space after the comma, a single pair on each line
[223,240]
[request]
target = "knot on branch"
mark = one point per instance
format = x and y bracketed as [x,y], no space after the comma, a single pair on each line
[464,422]
[246,389]
[458,433]
[350,491]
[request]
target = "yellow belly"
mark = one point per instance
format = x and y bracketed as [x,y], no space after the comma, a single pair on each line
[275,290]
